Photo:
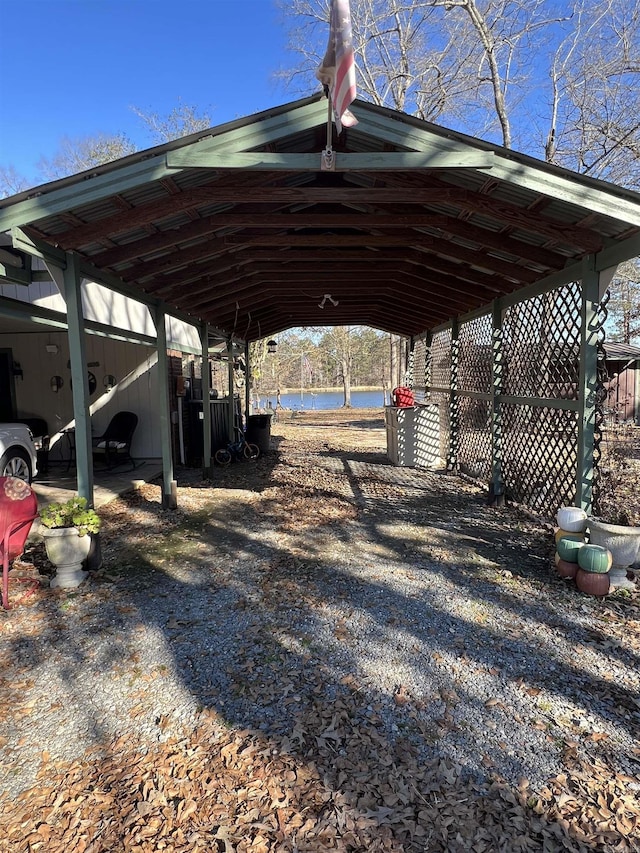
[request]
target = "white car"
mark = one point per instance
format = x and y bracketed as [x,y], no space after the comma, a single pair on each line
[18,457]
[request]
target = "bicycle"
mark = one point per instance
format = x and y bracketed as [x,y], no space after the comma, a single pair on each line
[237,450]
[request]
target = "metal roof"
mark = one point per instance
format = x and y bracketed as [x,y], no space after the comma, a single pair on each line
[621,352]
[241,226]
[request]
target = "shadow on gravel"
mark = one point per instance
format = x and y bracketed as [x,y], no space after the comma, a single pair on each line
[261,636]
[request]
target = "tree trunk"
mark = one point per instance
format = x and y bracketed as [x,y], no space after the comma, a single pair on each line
[346,382]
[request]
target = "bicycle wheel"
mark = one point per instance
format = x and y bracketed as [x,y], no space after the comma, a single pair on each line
[222,457]
[251,451]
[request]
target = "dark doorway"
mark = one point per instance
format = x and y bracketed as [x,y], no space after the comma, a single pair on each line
[7,390]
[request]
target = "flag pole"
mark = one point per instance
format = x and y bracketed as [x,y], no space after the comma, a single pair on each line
[328,158]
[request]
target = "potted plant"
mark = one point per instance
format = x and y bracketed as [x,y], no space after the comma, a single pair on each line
[67,530]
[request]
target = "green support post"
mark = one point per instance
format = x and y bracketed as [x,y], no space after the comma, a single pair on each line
[231,415]
[247,384]
[207,465]
[452,460]
[497,476]
[588,383]
[79,377]
[169,485]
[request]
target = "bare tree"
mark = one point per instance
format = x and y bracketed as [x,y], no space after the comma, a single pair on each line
[624,307]
[11,182]
[181,121]
[457,61]
[594,123]
[78,155]
[559,78]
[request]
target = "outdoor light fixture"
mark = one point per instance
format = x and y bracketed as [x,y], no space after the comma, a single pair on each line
[328,296]
[272,346]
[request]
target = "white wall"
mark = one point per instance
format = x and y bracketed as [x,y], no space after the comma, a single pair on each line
[135,369]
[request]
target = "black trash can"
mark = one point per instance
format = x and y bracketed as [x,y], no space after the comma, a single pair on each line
[259,431]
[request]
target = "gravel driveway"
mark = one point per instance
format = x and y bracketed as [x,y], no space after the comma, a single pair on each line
[320,651]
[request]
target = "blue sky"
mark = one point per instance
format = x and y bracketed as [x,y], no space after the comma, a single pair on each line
[74,67]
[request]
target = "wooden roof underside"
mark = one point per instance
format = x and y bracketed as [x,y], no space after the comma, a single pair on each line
[240,227]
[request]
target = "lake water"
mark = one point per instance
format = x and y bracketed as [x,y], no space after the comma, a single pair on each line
[326,400]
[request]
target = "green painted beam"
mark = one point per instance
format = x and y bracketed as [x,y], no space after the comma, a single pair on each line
[539,402]
[618,252]
[588,383]
[82,190]
[31,313]
[15,275]
[231,414]
[371,161]
[257,132]
[207,464]
[79,378]
[544,285]
[38,248]
[510,400]
[514,168]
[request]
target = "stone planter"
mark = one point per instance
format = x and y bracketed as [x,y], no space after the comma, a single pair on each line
[621,540]
[67,550]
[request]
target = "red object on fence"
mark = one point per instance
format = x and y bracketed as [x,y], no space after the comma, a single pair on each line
[402,397]
[18,509]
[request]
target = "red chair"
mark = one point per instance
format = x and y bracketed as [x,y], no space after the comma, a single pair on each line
[18,510]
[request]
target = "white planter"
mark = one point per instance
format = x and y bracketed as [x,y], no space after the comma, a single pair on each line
[572,519]
[622,541]
[67,551]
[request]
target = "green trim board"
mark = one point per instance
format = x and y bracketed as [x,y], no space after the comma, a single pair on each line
[510,400]
[617,253]
[588,383]
[370,161]
[15,275]
[86,191]
[79,379]
[264,129]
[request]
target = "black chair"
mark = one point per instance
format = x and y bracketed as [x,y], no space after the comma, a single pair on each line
[114,446]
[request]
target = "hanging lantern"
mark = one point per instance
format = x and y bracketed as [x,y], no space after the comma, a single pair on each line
[272,346]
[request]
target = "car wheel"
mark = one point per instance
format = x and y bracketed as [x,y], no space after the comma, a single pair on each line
[15,463]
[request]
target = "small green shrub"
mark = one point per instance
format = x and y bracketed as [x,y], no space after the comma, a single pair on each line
[73,513]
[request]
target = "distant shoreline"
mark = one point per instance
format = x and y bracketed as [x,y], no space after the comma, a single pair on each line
[328,389]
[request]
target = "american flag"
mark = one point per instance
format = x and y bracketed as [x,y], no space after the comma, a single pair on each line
[337,70]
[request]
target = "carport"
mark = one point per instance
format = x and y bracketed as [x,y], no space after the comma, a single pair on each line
[493,263]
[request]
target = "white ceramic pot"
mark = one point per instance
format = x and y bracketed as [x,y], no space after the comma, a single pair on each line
[67,551]
[572,519]
[622,541]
